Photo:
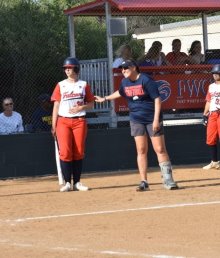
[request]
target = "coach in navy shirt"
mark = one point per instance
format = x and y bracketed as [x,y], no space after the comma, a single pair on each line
[146,122]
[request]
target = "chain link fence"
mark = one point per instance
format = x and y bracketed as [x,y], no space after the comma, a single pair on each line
[34,43]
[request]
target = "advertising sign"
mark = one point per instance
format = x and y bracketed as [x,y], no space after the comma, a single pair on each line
[177,91]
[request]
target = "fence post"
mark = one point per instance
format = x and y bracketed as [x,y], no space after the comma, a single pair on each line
[71,36]
[205,31]
[113,123]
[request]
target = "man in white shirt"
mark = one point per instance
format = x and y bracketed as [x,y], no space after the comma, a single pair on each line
[10,121]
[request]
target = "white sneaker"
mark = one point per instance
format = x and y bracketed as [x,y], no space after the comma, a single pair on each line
[80,187]
[66,187]
[213,164]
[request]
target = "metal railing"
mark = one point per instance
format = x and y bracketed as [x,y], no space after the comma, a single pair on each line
[95,72]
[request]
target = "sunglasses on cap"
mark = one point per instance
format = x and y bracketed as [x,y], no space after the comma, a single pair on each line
[8,104]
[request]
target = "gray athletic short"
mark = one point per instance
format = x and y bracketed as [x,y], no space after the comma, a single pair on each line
[138,129]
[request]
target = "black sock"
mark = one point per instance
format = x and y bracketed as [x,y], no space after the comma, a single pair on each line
[77,170]
[66,167]
[214,152]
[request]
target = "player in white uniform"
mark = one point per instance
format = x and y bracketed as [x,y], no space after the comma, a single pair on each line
[211,117]
[72,97]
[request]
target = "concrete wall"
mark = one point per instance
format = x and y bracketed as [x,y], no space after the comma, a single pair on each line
[113,149]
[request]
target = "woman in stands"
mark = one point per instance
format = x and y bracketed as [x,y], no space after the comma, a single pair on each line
[195,55]
[154,57]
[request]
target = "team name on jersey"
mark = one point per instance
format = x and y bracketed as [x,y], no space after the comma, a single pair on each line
[136,90]
[72,91]
[67,95]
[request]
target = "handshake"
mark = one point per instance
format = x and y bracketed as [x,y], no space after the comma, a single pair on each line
[205,120]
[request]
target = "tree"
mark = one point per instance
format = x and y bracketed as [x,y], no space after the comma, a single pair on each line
[34,43]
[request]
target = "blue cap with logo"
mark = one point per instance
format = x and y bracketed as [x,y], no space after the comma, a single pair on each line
[128,63]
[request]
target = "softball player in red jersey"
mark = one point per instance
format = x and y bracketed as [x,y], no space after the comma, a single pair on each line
[72,97]
[211,117]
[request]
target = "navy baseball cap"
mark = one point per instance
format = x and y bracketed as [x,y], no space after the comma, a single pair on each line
[44,97]
[128,63]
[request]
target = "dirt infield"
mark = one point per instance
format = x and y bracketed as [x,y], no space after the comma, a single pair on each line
[112,219]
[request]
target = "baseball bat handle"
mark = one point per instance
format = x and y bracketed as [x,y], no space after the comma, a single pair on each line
[59,171]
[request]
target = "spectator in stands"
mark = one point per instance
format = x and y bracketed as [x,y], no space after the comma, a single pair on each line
[146,120]
[154,56]
[123,53]
[151,58]
[10,121]
[195,55]
[42,116]
[176,57]
[162,58]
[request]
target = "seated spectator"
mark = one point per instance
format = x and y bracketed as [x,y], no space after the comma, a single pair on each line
[176,57]
[10,121]
[42,116]
[162,57]
[195,55]
[123,53]
[151,57]
[154,57]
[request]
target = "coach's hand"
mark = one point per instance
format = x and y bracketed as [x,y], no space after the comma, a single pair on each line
[100,99]
[205,120]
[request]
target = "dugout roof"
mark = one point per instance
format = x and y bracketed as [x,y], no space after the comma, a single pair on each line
[146,7]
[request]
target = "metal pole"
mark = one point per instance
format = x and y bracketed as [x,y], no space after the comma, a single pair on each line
[71,36]
[113,123]
[205,31]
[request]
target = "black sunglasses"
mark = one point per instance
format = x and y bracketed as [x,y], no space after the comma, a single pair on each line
[8,104]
